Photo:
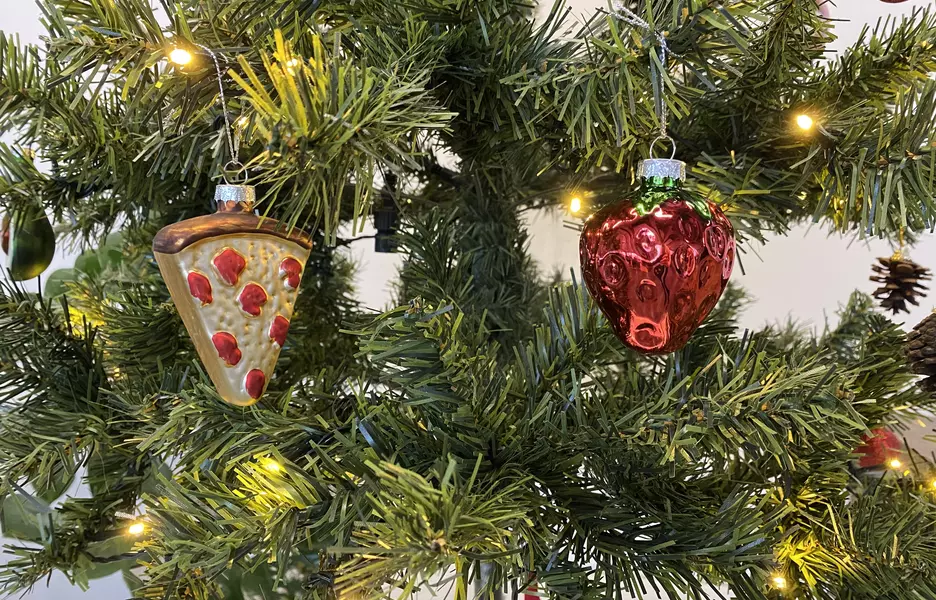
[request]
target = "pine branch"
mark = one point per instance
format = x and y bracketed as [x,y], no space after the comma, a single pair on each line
[343,115]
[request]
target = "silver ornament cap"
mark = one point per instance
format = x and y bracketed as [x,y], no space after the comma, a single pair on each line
[235,198]
[662,167]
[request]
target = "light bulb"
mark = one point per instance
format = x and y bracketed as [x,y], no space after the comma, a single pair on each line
[180,56]
[137,528]
[804,122]
[779,582]
[575,205]
[933,484]
[894,463]
[273,466]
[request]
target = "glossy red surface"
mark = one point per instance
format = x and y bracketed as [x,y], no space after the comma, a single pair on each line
[657,276]
[255,382]
[226,345]
[200,287]
[252,298]
[876,449]
[290,271]
[278,330]
[230,264]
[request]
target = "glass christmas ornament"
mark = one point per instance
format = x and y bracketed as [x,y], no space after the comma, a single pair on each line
[656,263]
[234,278]
[28,240]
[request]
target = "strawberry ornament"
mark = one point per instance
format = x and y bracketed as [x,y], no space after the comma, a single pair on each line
[878,448]
[656,263]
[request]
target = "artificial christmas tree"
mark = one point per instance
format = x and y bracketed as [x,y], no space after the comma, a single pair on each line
[493,426]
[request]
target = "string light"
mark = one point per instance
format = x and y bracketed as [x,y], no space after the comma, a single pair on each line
[272,466]
[779,582]
[933,484]
[136,529]
[180,56]
[575,205]
[804,122]
[894,463]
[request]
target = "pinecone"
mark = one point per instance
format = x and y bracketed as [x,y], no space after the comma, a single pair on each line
[921,352]
[901,279]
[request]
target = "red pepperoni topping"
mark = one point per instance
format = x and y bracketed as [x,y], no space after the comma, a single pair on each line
[230,264]
[278,329]
[255,382]
[200,287]
[226,345]
[291,272]
[251,298]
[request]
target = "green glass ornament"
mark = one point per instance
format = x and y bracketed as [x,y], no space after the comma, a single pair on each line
[28,242]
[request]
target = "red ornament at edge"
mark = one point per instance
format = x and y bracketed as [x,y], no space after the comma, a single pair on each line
[876,449]
[657,276]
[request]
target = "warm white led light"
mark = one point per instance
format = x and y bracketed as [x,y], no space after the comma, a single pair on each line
[180,56]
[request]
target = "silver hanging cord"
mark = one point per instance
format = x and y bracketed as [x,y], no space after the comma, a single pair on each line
[631,18]
[233,141]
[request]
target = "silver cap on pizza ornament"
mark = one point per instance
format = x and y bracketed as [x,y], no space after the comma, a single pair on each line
[235,198]
[662,167]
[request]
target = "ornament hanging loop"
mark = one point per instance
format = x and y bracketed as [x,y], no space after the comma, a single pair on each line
[664,137]
[661,108]
[899,251]
[233,143]
[238,170]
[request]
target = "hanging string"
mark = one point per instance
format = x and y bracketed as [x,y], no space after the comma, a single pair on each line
[899,252]
[233,141]
[632,19]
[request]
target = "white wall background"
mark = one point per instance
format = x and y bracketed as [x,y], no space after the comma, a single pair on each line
[804,276]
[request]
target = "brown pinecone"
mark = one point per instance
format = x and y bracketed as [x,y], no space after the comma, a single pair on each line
[921,352]
[901,281]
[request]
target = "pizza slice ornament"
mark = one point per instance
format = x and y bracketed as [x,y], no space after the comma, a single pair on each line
[234,278]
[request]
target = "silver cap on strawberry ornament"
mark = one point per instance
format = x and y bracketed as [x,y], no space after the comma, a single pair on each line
[662,167]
